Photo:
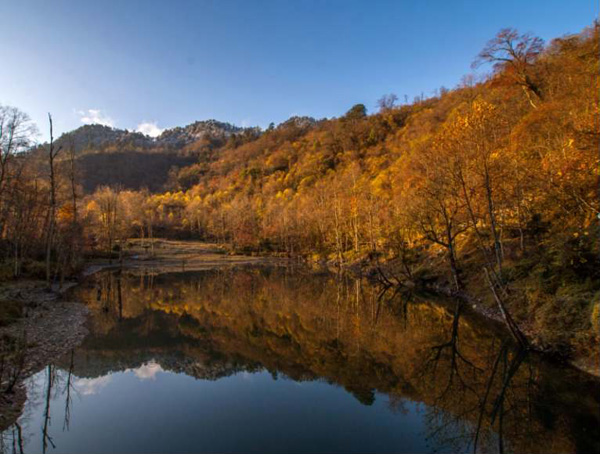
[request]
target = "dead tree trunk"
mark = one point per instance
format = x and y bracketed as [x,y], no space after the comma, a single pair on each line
[508,320]
[52,218]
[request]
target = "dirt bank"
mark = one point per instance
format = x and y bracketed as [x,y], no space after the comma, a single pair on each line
[48,328]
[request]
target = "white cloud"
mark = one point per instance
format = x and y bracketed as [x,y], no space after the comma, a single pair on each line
[150,128]
[88,386]
[147,371]
[95,116]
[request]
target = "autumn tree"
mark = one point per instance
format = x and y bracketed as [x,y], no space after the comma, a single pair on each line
[357,112]
[475,140]
[432,201]
[105,207]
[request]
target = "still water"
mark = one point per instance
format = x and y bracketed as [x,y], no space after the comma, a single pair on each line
[274,360]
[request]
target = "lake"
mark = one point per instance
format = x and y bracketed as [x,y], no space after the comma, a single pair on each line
[273,359]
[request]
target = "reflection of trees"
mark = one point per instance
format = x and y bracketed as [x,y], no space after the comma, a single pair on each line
[51,377]
[484,405]
[46,387]
[12,440]
[68,389]
[486,395]
[51,390]
[479,392]
[499,408]
[455,393]
[456,359]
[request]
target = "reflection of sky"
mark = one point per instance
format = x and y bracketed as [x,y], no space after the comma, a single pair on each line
[88,386]
[147,409]
[147,371]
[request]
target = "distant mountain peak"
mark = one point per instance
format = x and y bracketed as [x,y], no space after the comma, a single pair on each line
[98,137]
[299,122]
[180,136]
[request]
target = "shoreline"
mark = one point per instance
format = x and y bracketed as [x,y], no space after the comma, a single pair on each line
[580,363]
[49,327]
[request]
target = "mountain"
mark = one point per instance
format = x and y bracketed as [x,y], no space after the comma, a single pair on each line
[107,156]
[98,137]
[132,160]
[181,136]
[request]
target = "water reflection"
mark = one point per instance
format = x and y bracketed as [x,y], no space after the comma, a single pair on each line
[423,375]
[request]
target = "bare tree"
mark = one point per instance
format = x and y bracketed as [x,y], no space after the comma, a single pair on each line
[17,134]
[52,153]
[387,102]
[514,53]
[75,232]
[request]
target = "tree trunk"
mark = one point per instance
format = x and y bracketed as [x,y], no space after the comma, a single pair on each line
[491,212]
[50,238]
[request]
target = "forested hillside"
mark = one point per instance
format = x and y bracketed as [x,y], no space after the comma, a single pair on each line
[489,186]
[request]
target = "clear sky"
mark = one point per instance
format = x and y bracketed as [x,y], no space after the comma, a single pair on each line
[248,62]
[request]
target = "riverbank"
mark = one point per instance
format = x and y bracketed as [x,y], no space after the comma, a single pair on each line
[477,295]
[48,328]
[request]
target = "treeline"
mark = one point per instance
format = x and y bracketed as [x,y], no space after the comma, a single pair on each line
[41,229]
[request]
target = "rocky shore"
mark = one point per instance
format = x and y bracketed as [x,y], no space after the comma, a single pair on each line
[50,327]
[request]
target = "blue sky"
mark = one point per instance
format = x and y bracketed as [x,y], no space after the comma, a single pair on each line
[248,62]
